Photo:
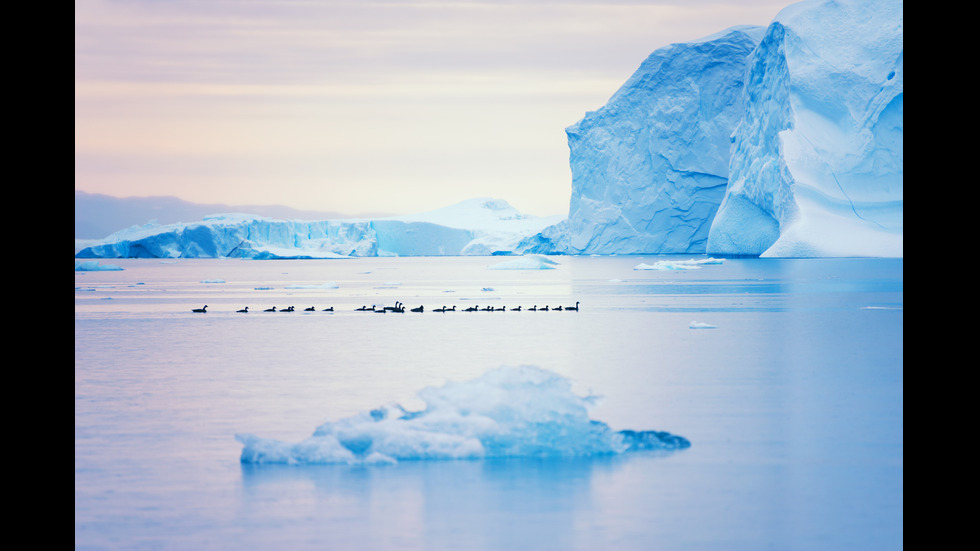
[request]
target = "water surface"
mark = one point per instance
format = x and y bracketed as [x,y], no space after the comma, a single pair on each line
[793,403]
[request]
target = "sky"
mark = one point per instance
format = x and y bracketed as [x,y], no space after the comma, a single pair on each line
[358,106]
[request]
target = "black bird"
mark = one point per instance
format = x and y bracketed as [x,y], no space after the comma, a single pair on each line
[273,309]
[557,309]
[573,307]
[419,309]
[518,309]
[310,309]
[201,310]
[327,309]
[545,309]
[290,309]
[366,309]
[243,311]
[533,308]
[472,308]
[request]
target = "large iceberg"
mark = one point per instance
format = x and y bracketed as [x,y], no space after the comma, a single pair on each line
[474,227]
[521,411]
[782,141]
[650,167]
[817,159]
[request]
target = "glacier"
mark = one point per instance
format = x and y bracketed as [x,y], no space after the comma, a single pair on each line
[510,411]
[481,226]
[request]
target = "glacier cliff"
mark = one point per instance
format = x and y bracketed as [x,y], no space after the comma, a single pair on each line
[650,167]
[473,227]
[817,159]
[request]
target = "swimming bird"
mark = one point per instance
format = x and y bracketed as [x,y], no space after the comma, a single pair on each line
[545,309]
[273,309]
[557,309]
[472,308]
[419,309]
[573,307]
[290,309]
[518,309]
[327,309]
[487,309]
[366,309]
[243,311]
[310,309]
[201,310]
[533,308]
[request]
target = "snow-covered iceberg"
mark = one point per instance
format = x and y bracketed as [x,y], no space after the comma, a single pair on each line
[817,159]
[474,227]
[649,168]
[522,411]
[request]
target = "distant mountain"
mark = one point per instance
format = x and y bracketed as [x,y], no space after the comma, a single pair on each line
[97,215]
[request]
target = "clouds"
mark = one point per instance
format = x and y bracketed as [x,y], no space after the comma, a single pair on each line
[399,106]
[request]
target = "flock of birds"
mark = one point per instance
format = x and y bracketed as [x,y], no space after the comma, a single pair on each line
[399,308]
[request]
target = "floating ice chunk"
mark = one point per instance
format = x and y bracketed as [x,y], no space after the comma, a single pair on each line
[701,325]
[530,262]
[520,411]
[327,285]
[94,266]
[692,264]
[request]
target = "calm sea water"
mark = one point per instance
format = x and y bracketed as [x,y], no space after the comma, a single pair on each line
[793,403]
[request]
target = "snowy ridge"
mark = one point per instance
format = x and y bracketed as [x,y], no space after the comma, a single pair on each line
[520,411]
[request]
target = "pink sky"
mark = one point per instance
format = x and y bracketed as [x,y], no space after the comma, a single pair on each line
[357,106]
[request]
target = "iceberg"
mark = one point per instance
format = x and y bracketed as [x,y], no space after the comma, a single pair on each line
[817,159]
[527,262]
[649,168]
[777,141]
[474,227]
[95,266]
[522,411]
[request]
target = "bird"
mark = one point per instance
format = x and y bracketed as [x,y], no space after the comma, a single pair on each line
[518,309]
[201,310]
[557,309]
[273,309]
[573,307]
[472,308]
[243,310]
[533,308]
[545,309]
[290,309]
[310,309]
[487,309]
[327,309]
[366,309]
[419,309]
